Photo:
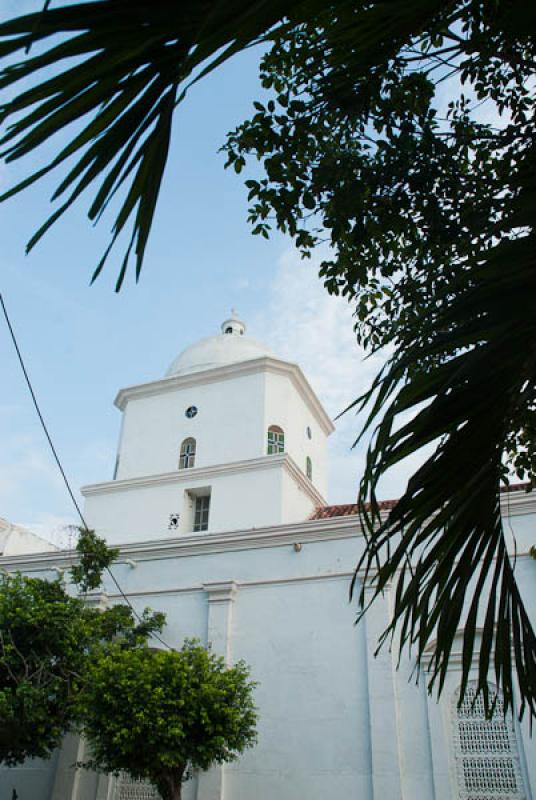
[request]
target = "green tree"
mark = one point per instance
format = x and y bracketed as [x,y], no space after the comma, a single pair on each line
[159,715]
[47,639]
[430,217]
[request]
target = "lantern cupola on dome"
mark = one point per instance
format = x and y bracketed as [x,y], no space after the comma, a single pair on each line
[231,346]
[233,326]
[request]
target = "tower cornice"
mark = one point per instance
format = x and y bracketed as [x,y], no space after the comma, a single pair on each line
[187,476]
[228,372]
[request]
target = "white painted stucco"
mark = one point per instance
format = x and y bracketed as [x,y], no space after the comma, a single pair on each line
[239,389]
[267,584]
[16,540]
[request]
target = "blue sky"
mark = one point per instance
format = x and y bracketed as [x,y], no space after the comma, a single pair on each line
[82,343]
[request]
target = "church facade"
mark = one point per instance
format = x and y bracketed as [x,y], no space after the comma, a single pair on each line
[218,507]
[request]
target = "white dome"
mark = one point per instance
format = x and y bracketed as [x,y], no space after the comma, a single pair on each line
[230,347]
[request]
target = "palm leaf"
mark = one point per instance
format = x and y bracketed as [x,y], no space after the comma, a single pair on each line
[442,547]
[130,60]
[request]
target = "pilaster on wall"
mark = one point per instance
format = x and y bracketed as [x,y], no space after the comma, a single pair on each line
[221,596]
[413,726]
[383,730]
[72,783]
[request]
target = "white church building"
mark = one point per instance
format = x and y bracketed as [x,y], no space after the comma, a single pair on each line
[218,506]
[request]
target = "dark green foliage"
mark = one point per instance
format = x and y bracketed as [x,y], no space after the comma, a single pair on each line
[159,715]
[47,639]
[94,557]
[43,636]
[117,70]
[430,217]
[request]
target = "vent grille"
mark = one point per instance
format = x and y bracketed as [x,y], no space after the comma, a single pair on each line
[485,750]
[127,788]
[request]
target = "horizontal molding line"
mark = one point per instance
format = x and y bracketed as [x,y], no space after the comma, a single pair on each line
[240,585]
[209,548]
[227,372]
[187,476]
[309,531]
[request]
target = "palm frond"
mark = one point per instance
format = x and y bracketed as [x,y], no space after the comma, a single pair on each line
[442,548]
[118,70]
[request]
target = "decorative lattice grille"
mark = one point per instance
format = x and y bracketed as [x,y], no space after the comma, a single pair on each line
[486,754]
[126,788]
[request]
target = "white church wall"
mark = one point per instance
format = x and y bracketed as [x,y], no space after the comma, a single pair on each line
[270,490]
[228,426]
[297,504]
[412,729]
[308,659]
[334,719]
[284,406]
[32,780]
[383,732]
[161,570]
[141,511]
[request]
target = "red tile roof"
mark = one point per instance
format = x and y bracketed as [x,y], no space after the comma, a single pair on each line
[515,487]
[350,509]
[346,510]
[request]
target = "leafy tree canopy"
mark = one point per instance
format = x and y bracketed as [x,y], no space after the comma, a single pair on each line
[430,213]
[94,558]
[160,714]
[47,639]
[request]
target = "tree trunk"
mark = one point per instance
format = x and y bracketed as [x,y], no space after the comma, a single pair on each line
[170,785]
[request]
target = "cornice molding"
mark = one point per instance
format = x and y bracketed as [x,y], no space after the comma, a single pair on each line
[186,476]
[308,531]
[302,480]
[227,372]
[220,591]
[203,543]
[518,503]
[229,595]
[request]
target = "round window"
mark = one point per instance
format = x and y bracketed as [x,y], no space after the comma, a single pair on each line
[191,411]
[309,432]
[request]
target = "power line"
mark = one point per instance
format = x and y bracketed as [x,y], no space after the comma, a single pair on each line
[59,464]
[42,421]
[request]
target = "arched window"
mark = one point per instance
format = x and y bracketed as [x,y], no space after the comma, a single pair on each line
[309,468]
[485,750]
[187,456]
[276,440]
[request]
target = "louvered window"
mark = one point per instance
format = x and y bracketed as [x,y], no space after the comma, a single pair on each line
[127,788]
[485,751]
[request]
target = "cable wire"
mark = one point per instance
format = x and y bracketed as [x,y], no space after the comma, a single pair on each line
[59,464]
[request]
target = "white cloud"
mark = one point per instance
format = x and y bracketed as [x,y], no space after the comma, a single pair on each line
[304,324]
[30,482]
[15,475]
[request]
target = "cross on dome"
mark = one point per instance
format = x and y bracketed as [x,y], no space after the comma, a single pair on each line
[233,325]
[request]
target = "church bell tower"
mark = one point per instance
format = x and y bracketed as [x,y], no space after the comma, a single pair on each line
[232,438]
